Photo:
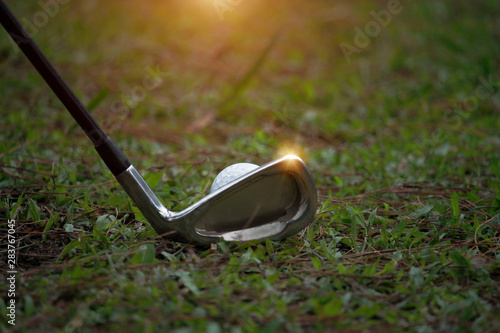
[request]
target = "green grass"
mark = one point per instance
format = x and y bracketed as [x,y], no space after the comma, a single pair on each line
[402,141]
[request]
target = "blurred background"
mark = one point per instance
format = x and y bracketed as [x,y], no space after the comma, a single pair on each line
[394,105]
[256,79]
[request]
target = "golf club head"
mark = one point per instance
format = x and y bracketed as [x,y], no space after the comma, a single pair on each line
[274,201]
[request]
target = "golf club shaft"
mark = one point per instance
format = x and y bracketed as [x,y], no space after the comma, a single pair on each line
[114,158]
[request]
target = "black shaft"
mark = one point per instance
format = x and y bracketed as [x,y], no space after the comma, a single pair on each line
[114,158]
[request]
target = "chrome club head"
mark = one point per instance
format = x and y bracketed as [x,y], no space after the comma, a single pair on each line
[274,201]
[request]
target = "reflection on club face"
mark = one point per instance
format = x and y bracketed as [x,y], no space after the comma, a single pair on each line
[250,203]
[275,200]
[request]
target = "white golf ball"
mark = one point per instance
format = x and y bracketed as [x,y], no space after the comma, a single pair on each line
[231,173]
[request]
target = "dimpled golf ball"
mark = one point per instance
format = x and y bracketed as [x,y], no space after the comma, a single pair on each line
[231,173]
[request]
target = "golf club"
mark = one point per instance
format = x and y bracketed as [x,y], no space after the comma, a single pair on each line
[273,201]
